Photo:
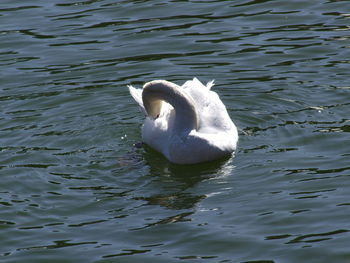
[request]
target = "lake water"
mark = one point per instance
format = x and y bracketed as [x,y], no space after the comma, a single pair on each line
[74,188]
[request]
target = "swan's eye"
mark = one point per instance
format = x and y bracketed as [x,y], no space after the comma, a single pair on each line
[157,116]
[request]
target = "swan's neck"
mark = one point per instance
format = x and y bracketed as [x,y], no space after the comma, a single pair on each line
[154,92]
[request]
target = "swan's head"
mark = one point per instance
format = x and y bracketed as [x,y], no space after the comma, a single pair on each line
[157,91]
[152,98]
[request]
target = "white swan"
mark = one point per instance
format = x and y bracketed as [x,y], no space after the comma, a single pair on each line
[187,124]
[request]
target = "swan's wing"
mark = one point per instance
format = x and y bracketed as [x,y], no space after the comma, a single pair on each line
[211,110]
[137,95]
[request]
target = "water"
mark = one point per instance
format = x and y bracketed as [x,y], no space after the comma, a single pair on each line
[75,189]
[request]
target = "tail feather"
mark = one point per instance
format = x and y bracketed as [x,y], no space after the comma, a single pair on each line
[137,95]
[210,84]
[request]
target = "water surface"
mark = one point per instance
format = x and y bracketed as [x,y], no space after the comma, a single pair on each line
[75,189]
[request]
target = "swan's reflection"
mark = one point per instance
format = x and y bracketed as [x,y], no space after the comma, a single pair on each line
[166,193]
[174,187]
[174,182]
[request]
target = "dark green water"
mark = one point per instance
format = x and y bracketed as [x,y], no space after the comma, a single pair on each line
[75,189]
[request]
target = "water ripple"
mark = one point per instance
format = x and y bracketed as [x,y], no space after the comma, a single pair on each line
[74,186]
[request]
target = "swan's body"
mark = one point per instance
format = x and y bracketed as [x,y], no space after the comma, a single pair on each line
[187,124]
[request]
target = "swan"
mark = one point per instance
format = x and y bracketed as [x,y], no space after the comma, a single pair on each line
[188,124]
